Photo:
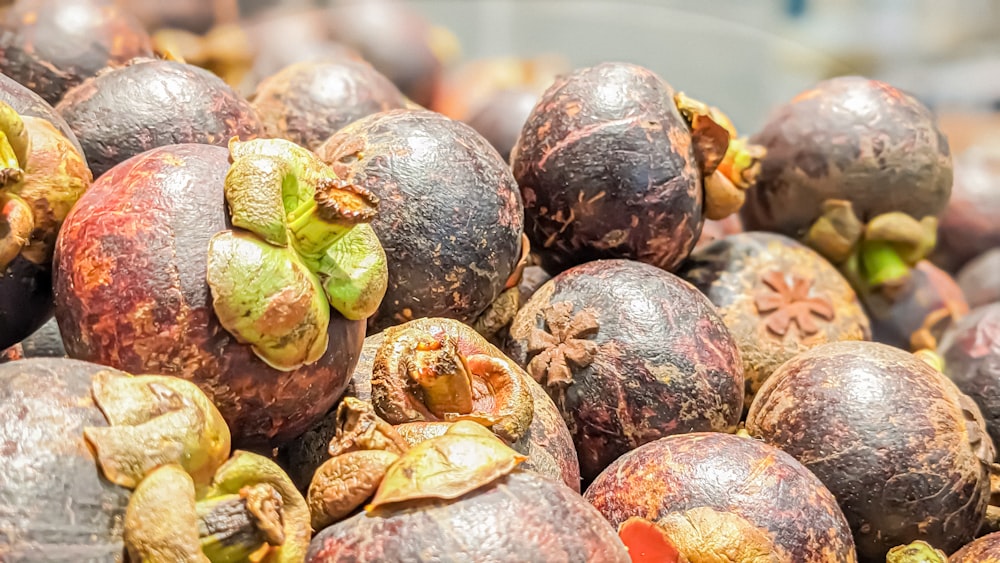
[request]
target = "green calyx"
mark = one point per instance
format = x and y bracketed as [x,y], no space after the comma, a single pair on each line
[303,245]
[16,217]
[168,442]
[916,552]
[874,256]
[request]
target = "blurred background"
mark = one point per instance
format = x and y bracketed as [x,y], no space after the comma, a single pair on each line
[744,57]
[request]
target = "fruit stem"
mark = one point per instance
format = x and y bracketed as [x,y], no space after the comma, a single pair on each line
[882,264]
[233,527]
[444,377]
[311,235]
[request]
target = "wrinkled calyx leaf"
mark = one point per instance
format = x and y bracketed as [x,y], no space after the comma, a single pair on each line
[302,245]
[16,217]
[729,164]
[916,552]
[699,534]
[880,254]
[168,442]
[419,374]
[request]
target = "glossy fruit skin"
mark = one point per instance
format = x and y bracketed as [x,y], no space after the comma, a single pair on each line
[608,175]
[149,103]
[971,352]
[309,101]
[547,443]
[450,215]
[664,363]
[50,46]
[903,450]
[520,517]
[131,293]
[968,225]
[731,272]
[929,293]
[56,505]
[500,117]
[727,473]
[984,550]
[978,280]
[848,138]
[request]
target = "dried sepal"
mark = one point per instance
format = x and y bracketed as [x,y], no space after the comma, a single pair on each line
[161,520]
[722,197]
[343,483]
[836,232]
[916,552]
[513,406]
[709,135]
[465,458]
[706,534]
[266,297]
[358,428]
[155,420]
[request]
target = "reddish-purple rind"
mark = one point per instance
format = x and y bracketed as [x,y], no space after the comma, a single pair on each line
[54,502]
[979,281]
[969,225]
[666,364]
[891,437]
[51,46]
[131,293]
[450,215]
[500,117]
[848,138]
[984,550]
[727,473]
[309,101]
[929,291]
[520,517]
[547,443]
[125,111]
[606,170]
[971,352]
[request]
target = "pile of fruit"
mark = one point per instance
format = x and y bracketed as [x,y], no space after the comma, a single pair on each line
[309,288]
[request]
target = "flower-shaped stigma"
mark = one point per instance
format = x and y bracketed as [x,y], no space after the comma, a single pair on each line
[562,345]
[784,305]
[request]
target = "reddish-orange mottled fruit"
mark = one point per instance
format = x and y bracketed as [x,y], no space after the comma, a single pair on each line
[903,450]
[629,353]
[606,168]
[131,293]
[728,474]
[984,550]
[520,517]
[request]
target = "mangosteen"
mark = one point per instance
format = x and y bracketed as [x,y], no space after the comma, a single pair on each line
[458,493]
[501,116]
[984,550]
[222,266]
[149,103]
[905,452]
[968,226]
[50,46]
[309,101]
[713,494]
[777,297]
[41,177]
[98,463]
[979,281]
[611,165]
[971,354]
[396,39]
[916,314]
[497,392]
[225,50]
[450,215]
[859,171]
[629,353]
